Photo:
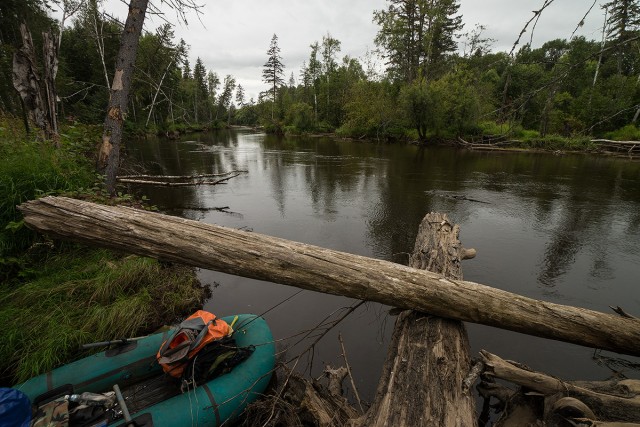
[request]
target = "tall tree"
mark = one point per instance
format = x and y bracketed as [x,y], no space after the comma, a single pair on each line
[109,155]
[416,35]
[201,90]
[273,72]
[330,48]
[186,70]
[240,96]
[109,152]
[226,97]
[312,75]
[213,81]
[623,20]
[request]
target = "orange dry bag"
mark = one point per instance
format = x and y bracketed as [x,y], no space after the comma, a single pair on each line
[194,332]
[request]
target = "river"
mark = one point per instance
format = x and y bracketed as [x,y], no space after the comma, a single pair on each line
[561,228]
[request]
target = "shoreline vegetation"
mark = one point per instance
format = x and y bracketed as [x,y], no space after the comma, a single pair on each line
[57,296]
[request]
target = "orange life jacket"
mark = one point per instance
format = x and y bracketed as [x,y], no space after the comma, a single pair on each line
[194,332]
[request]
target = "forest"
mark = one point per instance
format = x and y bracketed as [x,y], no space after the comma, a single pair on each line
[441,80]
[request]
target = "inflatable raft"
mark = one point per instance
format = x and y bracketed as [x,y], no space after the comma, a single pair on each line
[211,404]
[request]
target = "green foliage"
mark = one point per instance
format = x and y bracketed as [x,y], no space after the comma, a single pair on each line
[448,106]
[300,116]
[30,169]
[86,296]
[625,133]
[416,36]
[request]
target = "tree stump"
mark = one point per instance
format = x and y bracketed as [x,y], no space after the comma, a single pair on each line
[429,357]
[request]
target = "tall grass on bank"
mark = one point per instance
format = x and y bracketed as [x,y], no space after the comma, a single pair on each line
[28,169]
[88,296]
[54,296]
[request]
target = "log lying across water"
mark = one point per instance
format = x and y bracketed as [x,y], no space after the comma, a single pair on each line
[310,267]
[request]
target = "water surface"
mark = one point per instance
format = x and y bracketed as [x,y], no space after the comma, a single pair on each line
[564,229]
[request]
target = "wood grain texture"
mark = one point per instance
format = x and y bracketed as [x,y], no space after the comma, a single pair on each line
[429,357]
[310,267]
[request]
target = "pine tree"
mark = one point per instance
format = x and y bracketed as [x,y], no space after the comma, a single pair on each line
[240,95]
[273,71]
[624,19]
[201,89]
[186,70]
[416,35]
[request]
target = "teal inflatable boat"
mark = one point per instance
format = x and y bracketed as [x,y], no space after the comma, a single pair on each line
[133,367]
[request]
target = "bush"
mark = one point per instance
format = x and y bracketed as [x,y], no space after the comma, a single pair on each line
[626,133]
[300,116]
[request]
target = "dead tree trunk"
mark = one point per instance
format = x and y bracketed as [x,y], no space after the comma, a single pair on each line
[26,78]
[310,267]
[429,357]
[109,154]
[50,58]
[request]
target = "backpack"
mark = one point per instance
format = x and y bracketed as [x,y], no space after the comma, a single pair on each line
[216,358]
[195,332]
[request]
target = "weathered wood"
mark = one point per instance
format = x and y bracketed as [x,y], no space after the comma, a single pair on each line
[27,81]
[607,407]
[612,142]
[429,357]
[50,67]
[310,267]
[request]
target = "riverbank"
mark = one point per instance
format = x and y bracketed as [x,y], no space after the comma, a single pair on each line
[56,296]
[488,135]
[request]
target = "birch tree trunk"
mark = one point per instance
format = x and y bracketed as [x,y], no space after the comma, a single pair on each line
[109,154]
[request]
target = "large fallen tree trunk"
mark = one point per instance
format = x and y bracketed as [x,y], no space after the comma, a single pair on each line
[310,267]
[429,357]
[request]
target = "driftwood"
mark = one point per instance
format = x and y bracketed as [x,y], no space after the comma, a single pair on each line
[620,143]
[166,181]
[297,401]
[543,396]
[630,148]
[310,267]
[429,358]
[167,177]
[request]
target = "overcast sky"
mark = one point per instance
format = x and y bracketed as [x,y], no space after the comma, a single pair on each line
[234,36]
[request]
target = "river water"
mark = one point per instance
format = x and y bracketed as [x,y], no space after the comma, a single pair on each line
[564,229]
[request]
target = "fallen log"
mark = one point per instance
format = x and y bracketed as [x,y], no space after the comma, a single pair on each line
[429,357]
[310,267]
[620,401]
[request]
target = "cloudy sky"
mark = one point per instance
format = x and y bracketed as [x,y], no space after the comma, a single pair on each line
[233,36]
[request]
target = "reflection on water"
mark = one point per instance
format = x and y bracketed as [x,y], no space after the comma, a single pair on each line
[559,228]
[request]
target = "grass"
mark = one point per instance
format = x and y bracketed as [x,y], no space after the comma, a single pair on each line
[85,296]
[30,168]
[56,296]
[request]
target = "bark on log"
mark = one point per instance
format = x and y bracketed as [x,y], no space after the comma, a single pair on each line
[606,407]
[310,267]
[26,80]
[429,357]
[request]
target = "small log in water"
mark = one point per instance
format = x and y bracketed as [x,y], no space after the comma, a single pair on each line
[310,267]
